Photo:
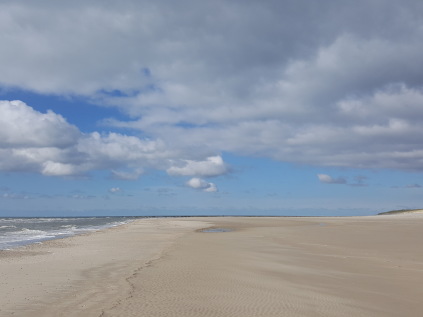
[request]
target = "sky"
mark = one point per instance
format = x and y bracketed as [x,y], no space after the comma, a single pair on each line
[133,107]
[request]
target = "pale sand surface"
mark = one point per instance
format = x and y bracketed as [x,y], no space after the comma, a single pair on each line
[356,266]
[82,275]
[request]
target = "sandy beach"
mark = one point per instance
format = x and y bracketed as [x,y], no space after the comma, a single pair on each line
[276,266]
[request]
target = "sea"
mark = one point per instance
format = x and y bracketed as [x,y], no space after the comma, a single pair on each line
[16,232]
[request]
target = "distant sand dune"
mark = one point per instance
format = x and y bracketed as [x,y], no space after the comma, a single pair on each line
[402,212]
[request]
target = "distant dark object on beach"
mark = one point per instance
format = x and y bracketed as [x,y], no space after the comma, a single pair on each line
[216,230]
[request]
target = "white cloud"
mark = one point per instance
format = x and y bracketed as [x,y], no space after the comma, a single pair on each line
[34,142]
[212,188]
[112,149]
[59,169]
[199,183]
[128,175]
[212,166]
[324,178]
[22,126]
[394,101]
[114,190]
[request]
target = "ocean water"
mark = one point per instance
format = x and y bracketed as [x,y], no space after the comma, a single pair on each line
[15,232]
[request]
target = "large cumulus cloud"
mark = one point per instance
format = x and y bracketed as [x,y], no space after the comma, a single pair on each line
[335,83]
[21,126]
[46,143]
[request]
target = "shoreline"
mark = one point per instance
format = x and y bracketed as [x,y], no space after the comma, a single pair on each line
[263,266]
[84,271]
[28,243]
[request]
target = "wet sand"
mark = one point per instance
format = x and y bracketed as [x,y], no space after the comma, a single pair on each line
[355,266]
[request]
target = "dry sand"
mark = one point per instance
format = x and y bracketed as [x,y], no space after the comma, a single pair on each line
[357,266]
[83,275]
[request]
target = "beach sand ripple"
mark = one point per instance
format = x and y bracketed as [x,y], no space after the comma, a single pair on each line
[355,266]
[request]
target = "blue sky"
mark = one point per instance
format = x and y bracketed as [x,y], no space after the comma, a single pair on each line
[243,108]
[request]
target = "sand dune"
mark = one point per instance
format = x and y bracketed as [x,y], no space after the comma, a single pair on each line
[358,266]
